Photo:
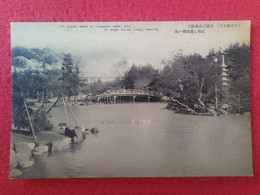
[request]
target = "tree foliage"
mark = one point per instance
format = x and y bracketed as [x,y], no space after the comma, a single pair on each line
[70,76]
[239,72]
[187,79]
[139,77]
[27,85]
[34,81]
[19,116]
[22,56]
[194,83]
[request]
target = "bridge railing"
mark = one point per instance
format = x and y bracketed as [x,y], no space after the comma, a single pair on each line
[129,91]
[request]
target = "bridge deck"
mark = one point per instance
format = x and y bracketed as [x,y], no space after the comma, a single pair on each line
[127,92]
[125,95]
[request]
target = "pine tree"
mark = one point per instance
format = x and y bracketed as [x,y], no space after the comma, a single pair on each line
[70,76]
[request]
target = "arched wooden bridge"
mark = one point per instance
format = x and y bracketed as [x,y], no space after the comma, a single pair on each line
[126,95]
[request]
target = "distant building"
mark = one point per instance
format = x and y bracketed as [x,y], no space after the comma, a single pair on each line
[97,79]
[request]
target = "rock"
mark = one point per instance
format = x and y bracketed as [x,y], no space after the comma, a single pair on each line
[222,112]
[13,161]
[40,150]
[23,160]
[212,112]
[12,152]
[61,144]
[224,106]
[85,133]
[75,134]
[20,157]
[24,147]
[79,135]
[66,141]
[37,153]
[43,156]
[15,173]
[49,144]
[26,164]
[62,124]
[70,132]
[31,145]
[94,130]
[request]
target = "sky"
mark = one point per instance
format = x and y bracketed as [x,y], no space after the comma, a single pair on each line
[101,45]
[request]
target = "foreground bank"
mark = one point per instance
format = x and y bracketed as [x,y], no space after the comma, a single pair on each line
[24,149]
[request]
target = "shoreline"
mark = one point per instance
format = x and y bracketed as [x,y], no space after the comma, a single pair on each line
[24,149]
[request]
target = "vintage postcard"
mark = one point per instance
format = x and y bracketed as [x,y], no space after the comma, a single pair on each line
[130,99]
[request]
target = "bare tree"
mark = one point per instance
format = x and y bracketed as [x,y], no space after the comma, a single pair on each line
[121,67]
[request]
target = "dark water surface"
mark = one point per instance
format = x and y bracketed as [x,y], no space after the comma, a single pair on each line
[143,139]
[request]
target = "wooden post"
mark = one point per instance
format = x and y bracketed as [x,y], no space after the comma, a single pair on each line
[30,120]
[72,112]
[114,99]
[52,105]
[67,120]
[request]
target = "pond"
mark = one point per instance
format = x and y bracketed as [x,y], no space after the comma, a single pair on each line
[146,140]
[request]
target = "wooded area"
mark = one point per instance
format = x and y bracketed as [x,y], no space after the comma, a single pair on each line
[191,83]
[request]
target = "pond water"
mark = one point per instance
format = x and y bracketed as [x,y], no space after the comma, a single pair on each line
[145,140]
